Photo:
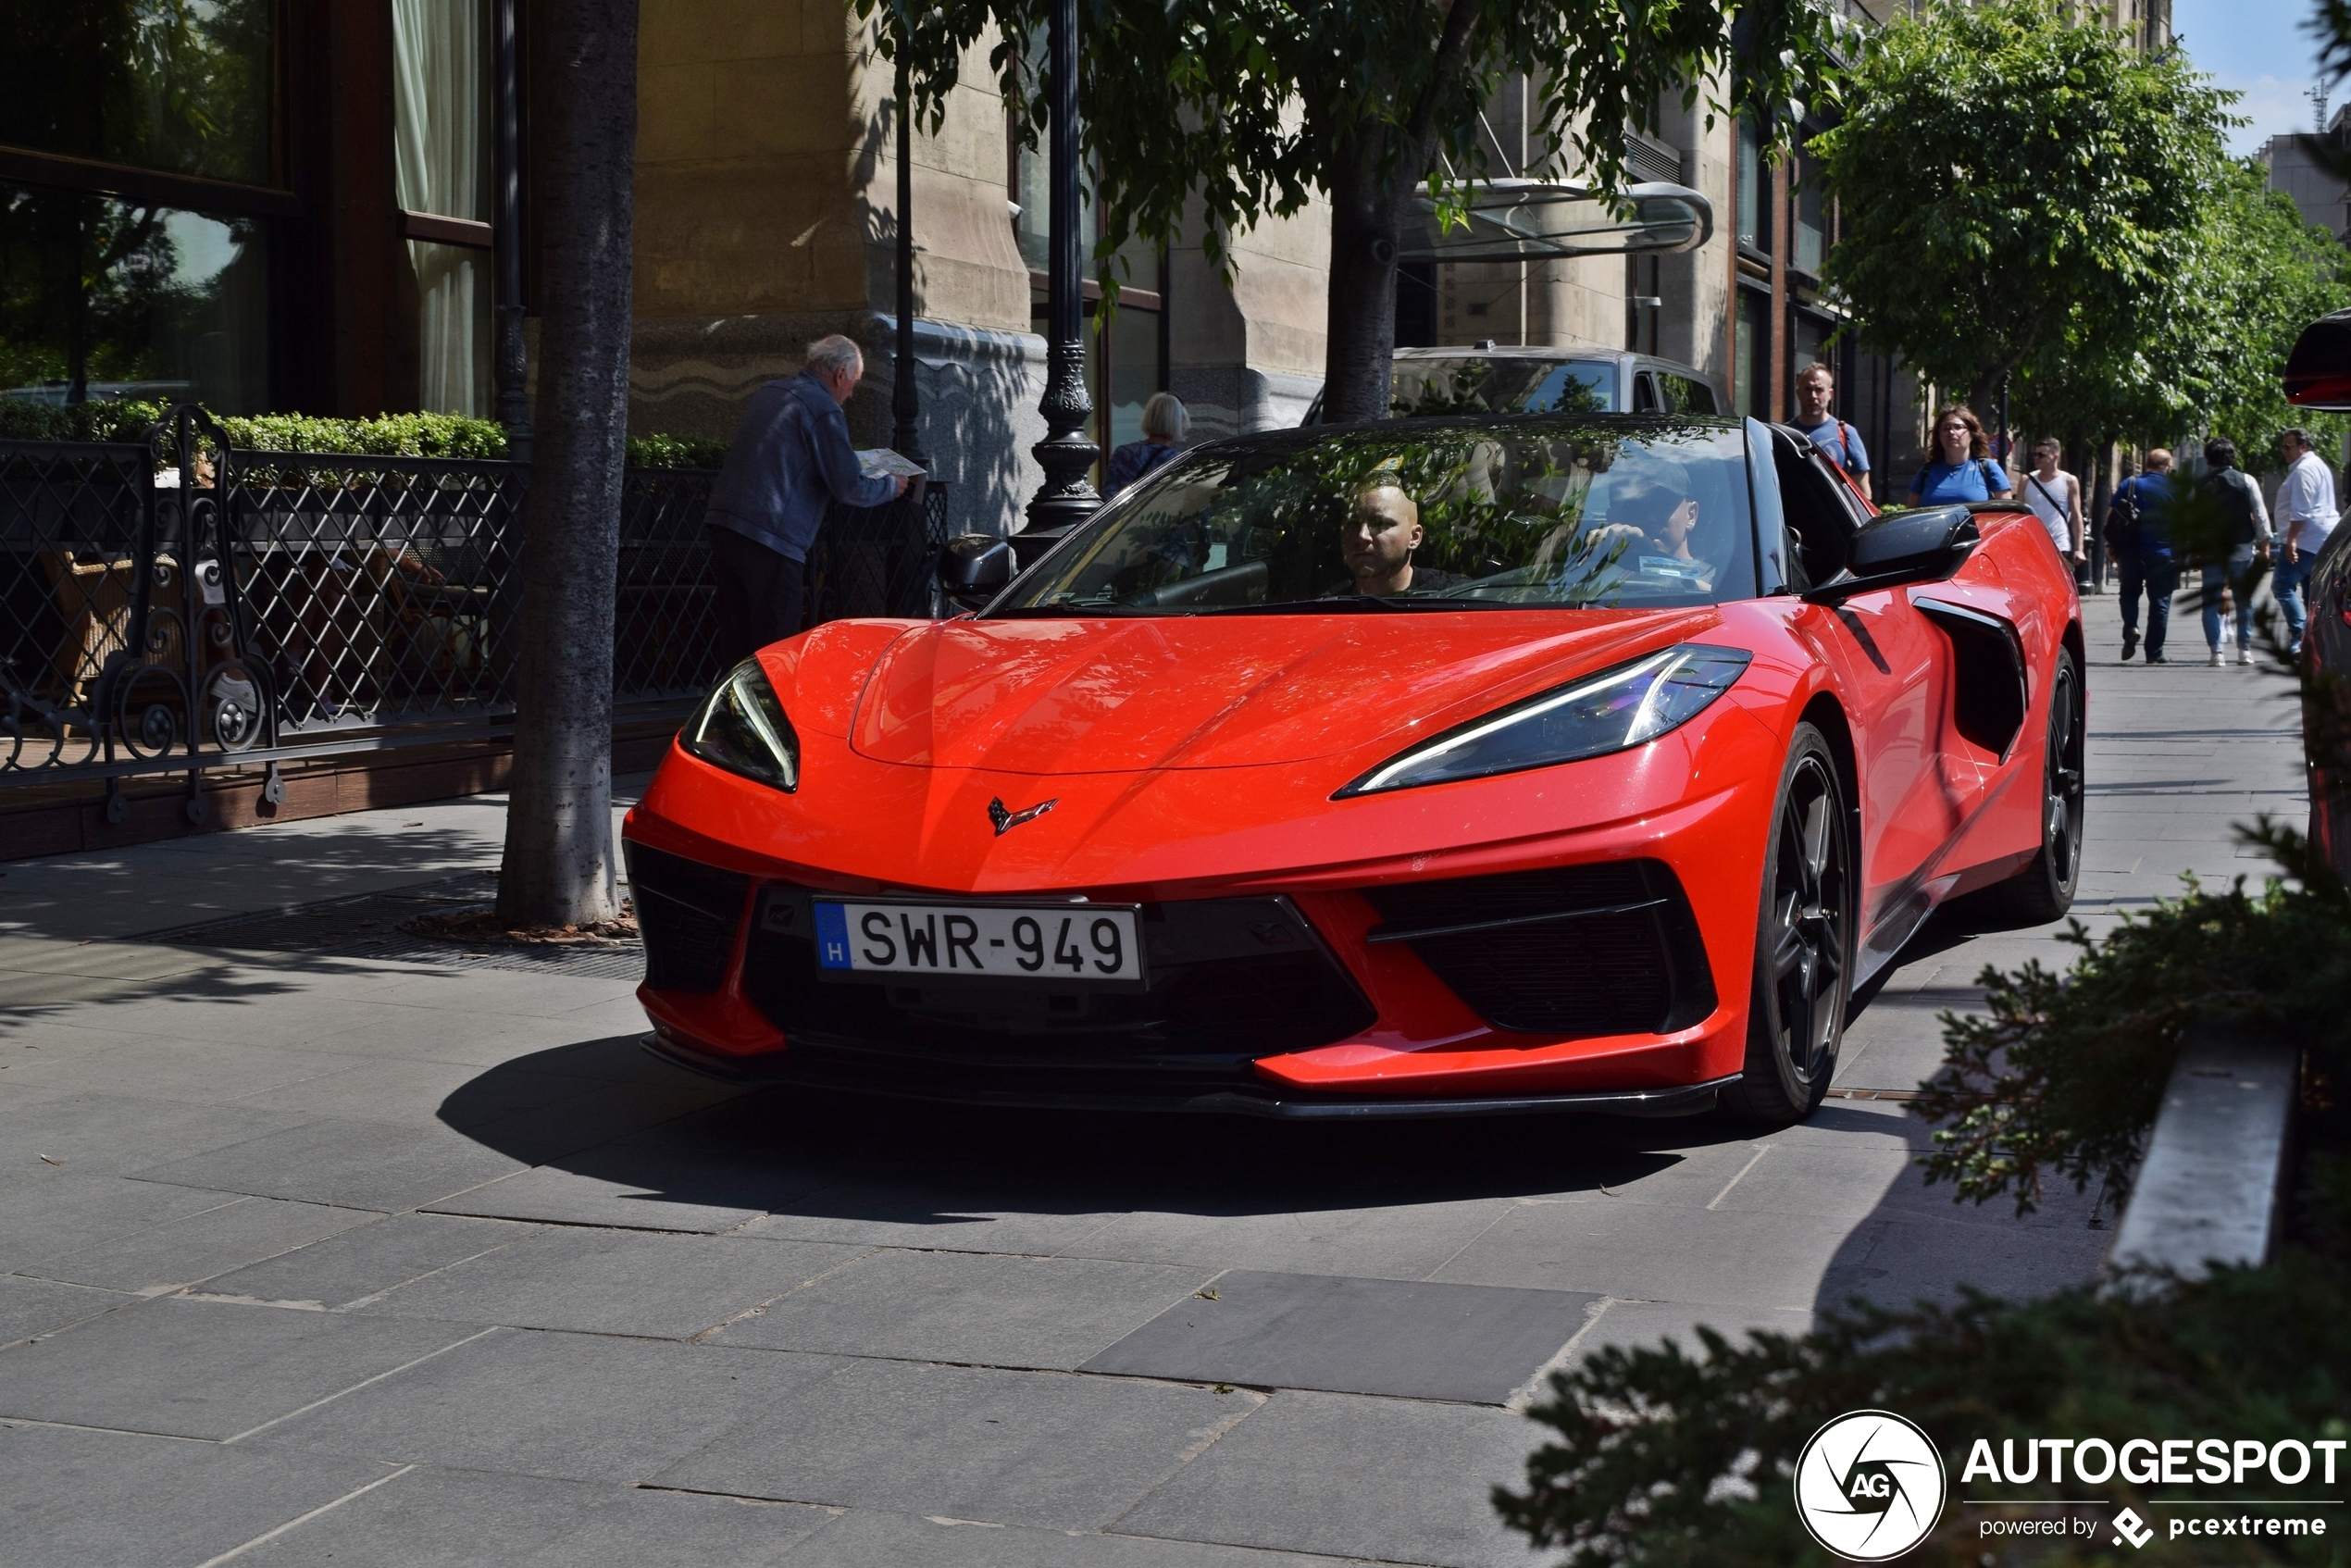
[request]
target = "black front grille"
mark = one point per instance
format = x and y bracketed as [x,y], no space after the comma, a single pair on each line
[1577,951]
[1229,980]
[688,913]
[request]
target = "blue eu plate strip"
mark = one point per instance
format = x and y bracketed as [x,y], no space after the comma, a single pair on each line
[832,937]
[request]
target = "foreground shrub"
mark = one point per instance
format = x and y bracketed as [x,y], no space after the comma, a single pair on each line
[1661,1460]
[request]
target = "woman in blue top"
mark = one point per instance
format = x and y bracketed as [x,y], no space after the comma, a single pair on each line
[1962,468]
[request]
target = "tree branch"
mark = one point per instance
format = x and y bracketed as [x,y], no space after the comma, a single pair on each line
[1460,21]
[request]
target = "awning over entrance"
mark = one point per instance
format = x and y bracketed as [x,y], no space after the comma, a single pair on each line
[1539,221]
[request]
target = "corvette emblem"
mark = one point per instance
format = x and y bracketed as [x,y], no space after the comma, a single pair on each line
[1006,821]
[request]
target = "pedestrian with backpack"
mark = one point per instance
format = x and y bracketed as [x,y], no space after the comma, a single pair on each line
[2138,536]
[2239,499]
[1961,467]
[1815,388]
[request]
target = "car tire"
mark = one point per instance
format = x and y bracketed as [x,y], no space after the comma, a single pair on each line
[2042,891]
[1803,941]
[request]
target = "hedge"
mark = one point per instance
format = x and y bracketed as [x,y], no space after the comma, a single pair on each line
[388,435]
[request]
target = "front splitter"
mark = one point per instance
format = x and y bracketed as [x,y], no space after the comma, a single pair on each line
[780,1069]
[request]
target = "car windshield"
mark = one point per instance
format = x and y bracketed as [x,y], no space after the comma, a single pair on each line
[1500,385]
[1429,514]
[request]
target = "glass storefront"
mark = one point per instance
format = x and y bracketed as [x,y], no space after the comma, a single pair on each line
[182,86]
[105,298]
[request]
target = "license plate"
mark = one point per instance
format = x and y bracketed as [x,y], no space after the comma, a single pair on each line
[1064,943]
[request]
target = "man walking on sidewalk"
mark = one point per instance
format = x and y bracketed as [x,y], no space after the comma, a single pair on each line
[2138,535]
[791,457]
[1815,388]
[2306,516]
[2239,499]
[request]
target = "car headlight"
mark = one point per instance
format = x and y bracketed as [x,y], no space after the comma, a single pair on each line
[741,727]
[1613,711]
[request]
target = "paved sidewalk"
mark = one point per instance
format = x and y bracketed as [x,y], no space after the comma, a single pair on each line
[352,1254]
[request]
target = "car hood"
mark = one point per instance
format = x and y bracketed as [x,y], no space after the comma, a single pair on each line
[1199,692]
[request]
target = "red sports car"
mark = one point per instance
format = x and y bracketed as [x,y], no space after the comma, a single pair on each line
[1436,766]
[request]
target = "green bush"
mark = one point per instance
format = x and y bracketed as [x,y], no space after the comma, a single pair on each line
[1661,1460]
[388,435]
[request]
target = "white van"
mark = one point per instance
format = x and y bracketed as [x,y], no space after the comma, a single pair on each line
[1484,379]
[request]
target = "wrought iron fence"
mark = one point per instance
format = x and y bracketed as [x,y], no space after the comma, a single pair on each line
[176,605]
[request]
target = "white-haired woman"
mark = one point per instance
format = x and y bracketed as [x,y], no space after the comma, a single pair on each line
[1166,420]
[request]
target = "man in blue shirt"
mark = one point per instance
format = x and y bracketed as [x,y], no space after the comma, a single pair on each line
[2138,536]
[1814,390]
[790,459]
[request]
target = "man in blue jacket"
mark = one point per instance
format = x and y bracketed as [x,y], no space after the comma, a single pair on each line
[790,458]
[2138,540]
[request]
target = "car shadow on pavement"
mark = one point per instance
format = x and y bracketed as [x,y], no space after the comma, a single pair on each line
[825,1152]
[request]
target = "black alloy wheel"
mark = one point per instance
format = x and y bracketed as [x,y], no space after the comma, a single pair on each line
[1803,944]
[2042,891]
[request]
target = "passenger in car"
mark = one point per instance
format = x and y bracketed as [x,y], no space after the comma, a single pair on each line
[1648,533]
[1383,528]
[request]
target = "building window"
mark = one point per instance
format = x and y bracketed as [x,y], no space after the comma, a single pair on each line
[1751,354]
[1754,179]
[440,165]
[106,298]
[179,86]
[1808,334]
[1643,301]
[121,276]
[1810,225]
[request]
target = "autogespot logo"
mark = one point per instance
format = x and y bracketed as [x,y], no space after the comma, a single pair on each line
[1869,1486]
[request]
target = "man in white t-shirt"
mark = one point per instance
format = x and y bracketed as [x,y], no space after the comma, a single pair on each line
[2056,498]
[2305,513]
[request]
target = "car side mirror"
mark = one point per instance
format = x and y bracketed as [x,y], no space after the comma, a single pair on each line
[974,569]
[1926,545]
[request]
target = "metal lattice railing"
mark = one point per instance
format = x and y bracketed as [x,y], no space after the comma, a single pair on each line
[277,605]
[376,591]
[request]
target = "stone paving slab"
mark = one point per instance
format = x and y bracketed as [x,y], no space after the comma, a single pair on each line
[575,1406]
[970,1308]
[188,1251]
[73,1500]
[1475,1344]
[1015,1448]
[867,1538]
[368,1260]
[49,1211]
[629,1282]
[30,1307]
[205,1369]
[458,1519]
[1348,1476]
[336,1160]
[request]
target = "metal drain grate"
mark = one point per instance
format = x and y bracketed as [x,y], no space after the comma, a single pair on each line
[368,926]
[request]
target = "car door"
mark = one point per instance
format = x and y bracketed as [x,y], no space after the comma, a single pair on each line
[1892,670]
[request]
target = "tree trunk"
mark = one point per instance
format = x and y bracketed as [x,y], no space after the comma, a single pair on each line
[558,864]
[1360,346]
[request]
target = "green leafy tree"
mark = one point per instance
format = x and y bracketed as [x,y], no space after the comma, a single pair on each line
[2017,181]
[2267,274]
[1205,116]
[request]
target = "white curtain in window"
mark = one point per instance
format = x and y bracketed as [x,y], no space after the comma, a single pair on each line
[439,138]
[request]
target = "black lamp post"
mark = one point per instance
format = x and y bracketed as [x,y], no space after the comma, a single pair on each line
[1067,498]
[905,401]
[509,368]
